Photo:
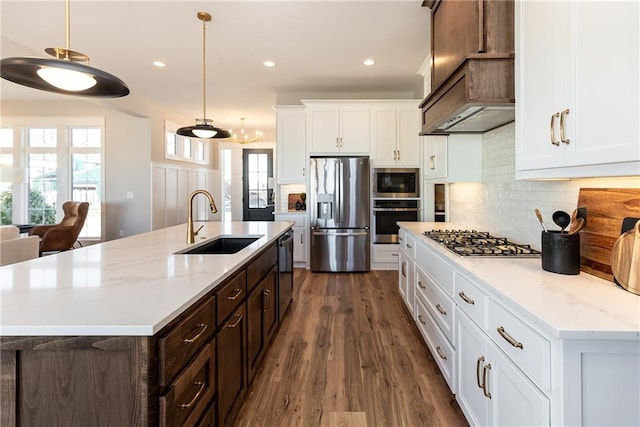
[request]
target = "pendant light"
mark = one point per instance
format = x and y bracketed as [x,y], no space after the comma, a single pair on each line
[243,138]
[204,128]
[67,73]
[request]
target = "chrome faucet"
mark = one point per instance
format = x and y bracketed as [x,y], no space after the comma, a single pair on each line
[191,235]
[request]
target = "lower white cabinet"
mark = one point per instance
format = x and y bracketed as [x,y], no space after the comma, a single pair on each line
[406,278]
[491,389]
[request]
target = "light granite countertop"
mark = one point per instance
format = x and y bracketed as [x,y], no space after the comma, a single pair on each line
[567,306]
[132,286]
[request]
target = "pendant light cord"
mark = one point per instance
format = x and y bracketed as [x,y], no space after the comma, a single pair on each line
[67,35]
[204,72]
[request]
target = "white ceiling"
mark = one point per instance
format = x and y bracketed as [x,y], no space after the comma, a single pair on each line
[318,48]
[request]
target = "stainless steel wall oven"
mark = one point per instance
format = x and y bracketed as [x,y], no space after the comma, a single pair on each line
[387,212]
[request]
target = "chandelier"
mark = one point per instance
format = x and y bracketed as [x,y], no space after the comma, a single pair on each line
[243,138]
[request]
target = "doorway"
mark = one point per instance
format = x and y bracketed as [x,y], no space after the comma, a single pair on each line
[257,185]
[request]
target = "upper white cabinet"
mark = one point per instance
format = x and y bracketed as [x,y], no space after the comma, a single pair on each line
[577,86]
[290,144]
[394,135]
[338,127]
[452,158]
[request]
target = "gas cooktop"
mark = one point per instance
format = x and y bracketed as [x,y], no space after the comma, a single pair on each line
[477,243]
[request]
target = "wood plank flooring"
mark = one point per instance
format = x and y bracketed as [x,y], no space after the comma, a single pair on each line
[348,354]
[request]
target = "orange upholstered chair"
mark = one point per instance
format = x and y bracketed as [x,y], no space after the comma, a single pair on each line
[62,236]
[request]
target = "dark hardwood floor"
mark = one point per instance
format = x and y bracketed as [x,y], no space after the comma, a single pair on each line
[348,354]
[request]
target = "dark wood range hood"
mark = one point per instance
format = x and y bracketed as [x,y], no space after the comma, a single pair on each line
[472,66]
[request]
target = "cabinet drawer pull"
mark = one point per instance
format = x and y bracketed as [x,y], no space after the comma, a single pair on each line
[421,285]
[409,246]
[201,387]
[404,269]
[398,155]
[484,380]
[395,254]
[552,129]
[480,360]
[509,338]
[466,298]
[440,353]
[564,114]
[400,239]
[237,322]
[421,319]
[203,327]
[441,310]
[236,293]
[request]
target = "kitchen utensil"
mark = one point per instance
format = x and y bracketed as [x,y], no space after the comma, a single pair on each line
[539,215]
[562,219]
[607,208]
[574,216]
[576,226]
[582,213]
[625,260]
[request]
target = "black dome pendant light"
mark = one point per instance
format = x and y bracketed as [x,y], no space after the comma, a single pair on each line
[204,128]
[67,73]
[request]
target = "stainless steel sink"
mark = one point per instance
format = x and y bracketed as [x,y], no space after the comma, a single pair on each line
[220,246]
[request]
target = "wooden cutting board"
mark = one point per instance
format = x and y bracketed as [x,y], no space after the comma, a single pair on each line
[606,209]
[625,260]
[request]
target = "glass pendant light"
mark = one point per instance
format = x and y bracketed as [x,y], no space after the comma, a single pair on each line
[67,72]
[204,128]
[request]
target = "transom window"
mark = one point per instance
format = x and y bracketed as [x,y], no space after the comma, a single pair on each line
[178,147]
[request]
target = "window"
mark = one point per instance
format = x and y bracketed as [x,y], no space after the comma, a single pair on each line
[178,147]
[51,160]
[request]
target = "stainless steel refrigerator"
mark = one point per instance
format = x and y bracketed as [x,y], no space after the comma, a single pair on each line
[338,204]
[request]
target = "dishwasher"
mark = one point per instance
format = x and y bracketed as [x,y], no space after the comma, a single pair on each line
[285,273]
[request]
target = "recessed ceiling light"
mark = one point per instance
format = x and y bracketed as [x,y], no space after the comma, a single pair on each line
[269,64]
[369,62]
[159,64]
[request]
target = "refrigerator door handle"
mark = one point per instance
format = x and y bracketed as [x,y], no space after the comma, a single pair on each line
[324,233]
[341,191]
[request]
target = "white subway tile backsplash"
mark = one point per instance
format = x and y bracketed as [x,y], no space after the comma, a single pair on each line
[504,206]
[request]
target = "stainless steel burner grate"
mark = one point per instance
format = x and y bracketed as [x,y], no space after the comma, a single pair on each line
[477,243]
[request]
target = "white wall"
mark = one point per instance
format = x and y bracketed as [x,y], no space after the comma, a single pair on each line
[504,206]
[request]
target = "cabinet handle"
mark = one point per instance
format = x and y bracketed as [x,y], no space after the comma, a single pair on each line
[237,322]
[236,294]
[441,310]
[302,238]
[564,114]
[480,360]
[509,338]
[200,386]
[409,246]
[303,171]
[400,239]
[337,142]
[466,298]
[432,162]
[420,285]
[486,369]
[341,142]
[395,254]
[202,327]
[267,297]
[398,155]
[552,129]
[404,269]
[440,353]
[421,319]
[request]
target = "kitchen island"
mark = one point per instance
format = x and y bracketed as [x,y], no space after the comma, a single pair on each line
[130,333]
[519,344]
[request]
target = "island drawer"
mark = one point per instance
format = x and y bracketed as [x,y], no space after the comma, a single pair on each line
[437,302]
[441,273]
[183,340]
[230,295]
[192,392]
[261,266]
[527,348]
[471,299]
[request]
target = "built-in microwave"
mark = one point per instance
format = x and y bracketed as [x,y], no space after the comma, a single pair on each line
[396,182]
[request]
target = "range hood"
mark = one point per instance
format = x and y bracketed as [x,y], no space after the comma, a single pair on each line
[477,97]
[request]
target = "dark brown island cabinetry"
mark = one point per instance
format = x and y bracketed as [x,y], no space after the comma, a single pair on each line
[193,372]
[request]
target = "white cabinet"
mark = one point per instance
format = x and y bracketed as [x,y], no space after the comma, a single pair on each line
[299,235]
[406,269]
[452,158]
[290,144]
[384,256]
[577,89]
[491,389]
[395,140]
[334,127]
